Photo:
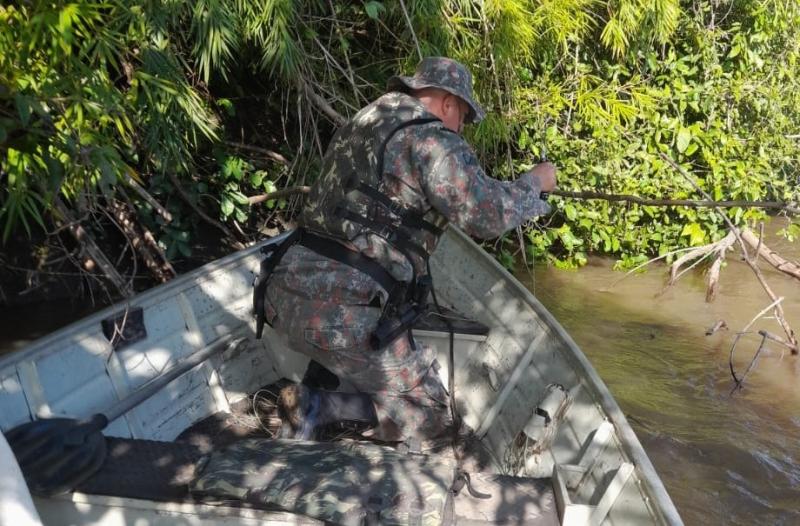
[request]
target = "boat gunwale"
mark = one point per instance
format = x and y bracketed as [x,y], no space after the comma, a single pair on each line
[628,439]
[206,509]
[38,347]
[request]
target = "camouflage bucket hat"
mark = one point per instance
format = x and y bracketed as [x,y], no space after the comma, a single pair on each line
[443,73]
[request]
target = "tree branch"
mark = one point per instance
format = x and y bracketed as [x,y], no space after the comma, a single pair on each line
[87,243]
[286,192]
[274,156]
[142,244]
[320,102]
[689,203]
[182,193]
[770,256]
[158,207]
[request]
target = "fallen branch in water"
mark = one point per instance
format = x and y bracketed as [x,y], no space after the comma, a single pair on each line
[718,325]
[717,249]
[741,333]
[642,265]
[752,262]
[770,256]
[739,382]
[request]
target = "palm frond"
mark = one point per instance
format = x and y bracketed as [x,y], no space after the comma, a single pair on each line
[214,25]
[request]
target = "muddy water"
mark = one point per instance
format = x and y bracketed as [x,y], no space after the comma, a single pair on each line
[724,459]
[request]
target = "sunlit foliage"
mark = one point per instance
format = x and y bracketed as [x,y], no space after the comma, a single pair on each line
[92,93]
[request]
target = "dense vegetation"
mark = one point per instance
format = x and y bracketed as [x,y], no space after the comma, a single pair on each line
[197,105]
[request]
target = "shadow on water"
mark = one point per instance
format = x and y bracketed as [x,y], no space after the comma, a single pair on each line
[724,459]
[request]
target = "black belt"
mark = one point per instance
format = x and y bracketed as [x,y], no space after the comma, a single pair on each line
[406,302]
[334,250]
[397,290]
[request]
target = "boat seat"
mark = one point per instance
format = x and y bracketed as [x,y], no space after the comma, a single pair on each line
[145,469]
[343,482]
[164,472]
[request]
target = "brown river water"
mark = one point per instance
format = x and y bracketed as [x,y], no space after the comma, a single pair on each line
[724,459]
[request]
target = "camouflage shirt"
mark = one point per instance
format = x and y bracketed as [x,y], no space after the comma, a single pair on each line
[432,170]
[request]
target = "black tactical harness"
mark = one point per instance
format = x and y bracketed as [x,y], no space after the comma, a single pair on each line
[407,301]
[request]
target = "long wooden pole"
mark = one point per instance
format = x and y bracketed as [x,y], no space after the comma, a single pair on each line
[690,203]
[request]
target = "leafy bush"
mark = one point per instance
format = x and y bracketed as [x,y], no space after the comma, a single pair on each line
[93,95]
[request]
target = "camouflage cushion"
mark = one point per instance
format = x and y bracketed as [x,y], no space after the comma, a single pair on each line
[343,482]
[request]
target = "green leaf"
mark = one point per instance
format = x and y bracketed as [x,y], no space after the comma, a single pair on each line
[683,139]
[256,178]
[228,106]
[695,232]
[374,9]
[227,207]
[570,211]
[506,259]
[23,108]
[240,198]
[232,168]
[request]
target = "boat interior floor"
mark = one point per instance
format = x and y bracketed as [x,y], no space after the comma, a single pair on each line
[163,471]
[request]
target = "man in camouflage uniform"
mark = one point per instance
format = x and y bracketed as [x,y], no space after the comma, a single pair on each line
[410,138]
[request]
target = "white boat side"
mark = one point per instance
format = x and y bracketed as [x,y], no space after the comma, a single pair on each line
[601,473]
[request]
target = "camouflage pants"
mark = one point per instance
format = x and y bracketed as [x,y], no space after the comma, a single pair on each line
[328,311]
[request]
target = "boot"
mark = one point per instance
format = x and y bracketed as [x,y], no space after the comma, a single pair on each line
[305,410]
[318,377]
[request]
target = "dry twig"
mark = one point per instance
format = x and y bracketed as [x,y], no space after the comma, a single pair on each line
[273,156]
[320,102]
[95,254]
[279,194]
[411,28]
[158,207]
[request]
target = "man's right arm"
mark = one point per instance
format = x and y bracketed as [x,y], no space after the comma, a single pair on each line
[458,188]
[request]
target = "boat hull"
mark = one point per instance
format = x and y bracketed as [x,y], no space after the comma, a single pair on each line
[525,388]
